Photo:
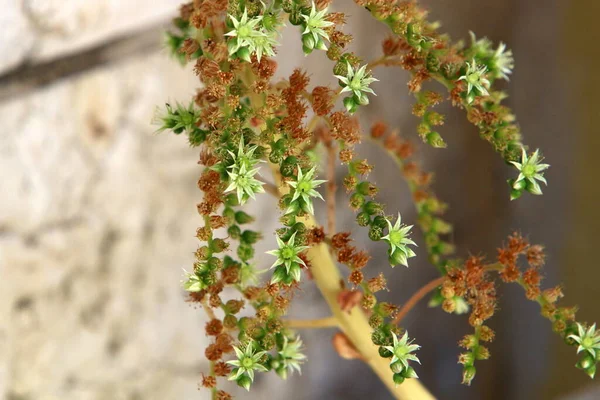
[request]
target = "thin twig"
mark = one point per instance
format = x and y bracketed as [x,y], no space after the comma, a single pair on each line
[271,189]
[430,287]
[418,296]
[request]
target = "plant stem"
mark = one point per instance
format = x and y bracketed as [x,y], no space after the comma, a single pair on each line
[354,324]
[331,188]
[327,322]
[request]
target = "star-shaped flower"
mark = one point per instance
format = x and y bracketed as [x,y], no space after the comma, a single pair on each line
[290,357]
[530,171]
[357,81]
[244,33]
[588,340]
[287,253]
[399,240]
[477,83]
[304,188]
[401,352]
[314,28]
[247,362]
[178,119]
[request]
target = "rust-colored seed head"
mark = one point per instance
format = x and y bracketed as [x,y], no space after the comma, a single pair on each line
[208,381]
[214,327]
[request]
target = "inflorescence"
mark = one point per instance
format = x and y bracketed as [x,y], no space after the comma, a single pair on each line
[248,126]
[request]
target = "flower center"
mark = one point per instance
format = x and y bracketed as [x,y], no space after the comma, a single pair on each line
[304,186]
[244,31]
[396,237]
[247,362]
[473,78]
[587,342]
[287,253]
[355,84]
[528,170]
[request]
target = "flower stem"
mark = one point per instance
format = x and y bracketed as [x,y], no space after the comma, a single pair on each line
[327,322]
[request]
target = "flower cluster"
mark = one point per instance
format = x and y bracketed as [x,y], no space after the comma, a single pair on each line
[243,119]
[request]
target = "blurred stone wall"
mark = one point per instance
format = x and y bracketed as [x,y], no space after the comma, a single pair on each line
[97,213]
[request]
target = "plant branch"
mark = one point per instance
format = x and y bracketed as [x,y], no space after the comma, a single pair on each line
[419,294]
[327,322]
[331,187]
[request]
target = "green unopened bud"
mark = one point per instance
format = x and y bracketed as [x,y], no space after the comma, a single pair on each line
[468,375]
[350,104]
[410,373]
[308,41]
[366,188]
[234,232]
[398,379]
[435,140]
[363,219]
[250,237]
[397,367]
[245,252]
[219,245]
[375,233]
[373,208]
[586,362]
[357,200]
[244,381]
[243,218]
[244,54]
[385,353]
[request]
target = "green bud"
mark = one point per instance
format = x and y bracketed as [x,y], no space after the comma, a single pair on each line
[468,374]
[366,188]
[245,252]
[380,221]
[244,54]
[435,140]
[350,104]
[379,337]
[373,208]
[244,381]
[214,263]
[385,353]
[398,379]
[409,373]
[397,367]
[357,200]
[243,218]
[375,233]
[229,213]
[363,219]
[586,362]
[288,166]
[250,237]
[308,41]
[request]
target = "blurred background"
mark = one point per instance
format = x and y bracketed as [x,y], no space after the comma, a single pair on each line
[97,213]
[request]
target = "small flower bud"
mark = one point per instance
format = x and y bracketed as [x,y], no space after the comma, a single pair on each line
[468,375]
[398,378]
[243,218]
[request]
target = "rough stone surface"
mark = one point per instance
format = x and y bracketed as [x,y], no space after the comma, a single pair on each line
[91,248]
[34,30]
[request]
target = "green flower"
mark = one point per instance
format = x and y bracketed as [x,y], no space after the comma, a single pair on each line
[503,62]
[304,188]
[242,173]
[477,84]
[530,171]
[314,29]
[288,262]
[265,44]
[247,362]
[249,274]
[244,183]
[398,239]
[193,283]
[356,82]
[287,253]
[588,340]
[401,353]
[247,36]
[290,357]
[179,119]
